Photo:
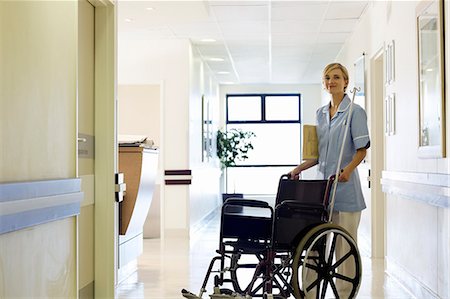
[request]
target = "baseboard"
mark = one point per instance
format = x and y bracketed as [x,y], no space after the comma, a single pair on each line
[87,292]
[408,281]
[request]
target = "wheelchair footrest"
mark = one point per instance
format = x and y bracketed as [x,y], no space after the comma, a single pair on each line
[220,293]
[189,295]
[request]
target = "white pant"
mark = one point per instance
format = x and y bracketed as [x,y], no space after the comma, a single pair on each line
[350,222]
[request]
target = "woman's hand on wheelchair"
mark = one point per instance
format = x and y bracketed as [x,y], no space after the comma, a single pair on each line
[294,174]
[344,175]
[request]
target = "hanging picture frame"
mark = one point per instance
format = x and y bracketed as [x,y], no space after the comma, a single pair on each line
[430,48]
[360,81]
[389,119]
[207,134]
[390,62]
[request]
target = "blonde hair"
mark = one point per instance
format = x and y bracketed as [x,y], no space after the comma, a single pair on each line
[333,66]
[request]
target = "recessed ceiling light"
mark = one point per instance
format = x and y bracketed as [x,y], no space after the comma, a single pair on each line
[149,8]
[208,40]
[215,59]
[128,20]
[223,73]
[227,82]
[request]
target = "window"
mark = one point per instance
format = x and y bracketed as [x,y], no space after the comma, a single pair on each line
[275,119]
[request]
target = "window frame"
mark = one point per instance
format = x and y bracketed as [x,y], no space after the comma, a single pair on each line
[264,121]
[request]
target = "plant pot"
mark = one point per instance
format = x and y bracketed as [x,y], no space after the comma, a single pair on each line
[232,209]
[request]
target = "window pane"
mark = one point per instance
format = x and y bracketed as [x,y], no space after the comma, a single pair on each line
[282,108]
[274,144]
[255,180]
[244,108]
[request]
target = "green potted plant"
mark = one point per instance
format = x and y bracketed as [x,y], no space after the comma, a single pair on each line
[232,146]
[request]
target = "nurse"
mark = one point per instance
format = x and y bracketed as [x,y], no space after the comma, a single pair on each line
[330,121]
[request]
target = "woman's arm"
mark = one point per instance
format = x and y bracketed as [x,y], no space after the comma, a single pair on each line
[295,173]
[357,158]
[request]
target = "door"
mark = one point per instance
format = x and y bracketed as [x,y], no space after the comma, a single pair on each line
[377,155]
[85,161]
[106,208]
[364,168]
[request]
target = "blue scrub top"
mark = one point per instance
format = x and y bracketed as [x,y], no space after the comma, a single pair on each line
[330,133]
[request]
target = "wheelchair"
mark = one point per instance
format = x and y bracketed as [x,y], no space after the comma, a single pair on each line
[292,250]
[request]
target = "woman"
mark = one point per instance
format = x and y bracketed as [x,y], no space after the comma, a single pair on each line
[330,121]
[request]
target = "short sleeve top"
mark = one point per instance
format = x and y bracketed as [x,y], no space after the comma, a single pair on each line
[330,133]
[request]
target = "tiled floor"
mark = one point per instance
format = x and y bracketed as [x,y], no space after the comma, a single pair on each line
[168,266]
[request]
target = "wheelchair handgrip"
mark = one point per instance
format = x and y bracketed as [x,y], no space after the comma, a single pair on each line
[246,203]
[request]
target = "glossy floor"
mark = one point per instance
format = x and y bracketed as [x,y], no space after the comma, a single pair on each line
[168,266]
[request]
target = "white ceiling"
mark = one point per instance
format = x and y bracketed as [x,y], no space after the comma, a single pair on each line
[281,42]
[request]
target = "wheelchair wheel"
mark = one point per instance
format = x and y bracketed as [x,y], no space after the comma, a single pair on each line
[326,264]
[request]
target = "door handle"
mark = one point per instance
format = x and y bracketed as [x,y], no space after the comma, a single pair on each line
[120,187]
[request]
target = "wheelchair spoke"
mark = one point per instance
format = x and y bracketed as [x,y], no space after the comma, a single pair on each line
[341,260]
[324,289]
[315,283]
[332,249]
[333,287]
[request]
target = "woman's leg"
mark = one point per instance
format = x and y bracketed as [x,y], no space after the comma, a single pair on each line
[350,222]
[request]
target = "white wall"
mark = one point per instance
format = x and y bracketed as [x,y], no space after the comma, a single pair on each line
[417,233]
[205,188]
[139,113]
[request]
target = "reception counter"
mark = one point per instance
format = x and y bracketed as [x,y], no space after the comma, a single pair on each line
[139,166]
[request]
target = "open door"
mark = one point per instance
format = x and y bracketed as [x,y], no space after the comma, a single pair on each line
[106,207]
[377,156]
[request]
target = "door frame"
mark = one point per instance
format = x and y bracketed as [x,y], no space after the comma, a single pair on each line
[105,208]
[377,92]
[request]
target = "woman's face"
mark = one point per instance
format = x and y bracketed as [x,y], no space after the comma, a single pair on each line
[334,81]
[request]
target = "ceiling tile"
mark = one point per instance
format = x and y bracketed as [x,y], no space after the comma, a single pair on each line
[245,30]
[327,48]
[339,25]
[295,27]
[197,30]
[218,50]
[345,10]
[327,37]
[232,13]
[291,51]
[290,40]
[298,10]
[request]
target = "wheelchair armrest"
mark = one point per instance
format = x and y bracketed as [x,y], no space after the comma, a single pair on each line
[246,202]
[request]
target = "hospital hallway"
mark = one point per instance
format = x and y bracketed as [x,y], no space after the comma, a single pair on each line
[168,266]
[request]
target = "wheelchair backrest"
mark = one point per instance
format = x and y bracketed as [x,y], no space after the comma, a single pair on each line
[305,191]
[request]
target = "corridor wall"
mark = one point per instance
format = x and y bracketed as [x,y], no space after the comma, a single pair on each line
[417,231]
[203,106]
